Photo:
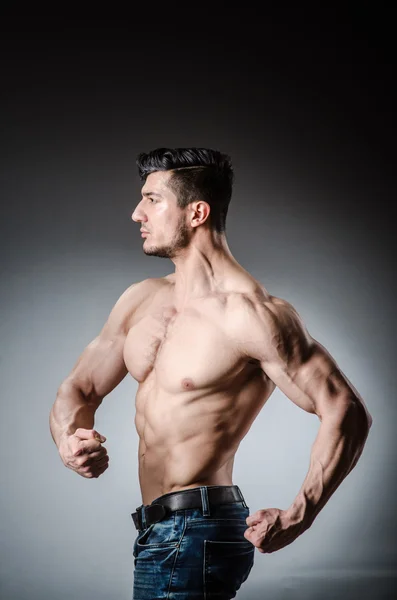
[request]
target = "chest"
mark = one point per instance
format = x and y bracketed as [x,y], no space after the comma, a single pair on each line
[184,351]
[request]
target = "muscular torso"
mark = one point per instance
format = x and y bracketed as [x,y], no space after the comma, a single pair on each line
[198,394]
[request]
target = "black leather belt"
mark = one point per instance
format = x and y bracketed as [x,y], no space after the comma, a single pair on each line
[190,498]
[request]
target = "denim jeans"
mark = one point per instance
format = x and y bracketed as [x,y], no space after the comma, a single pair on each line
[194,553]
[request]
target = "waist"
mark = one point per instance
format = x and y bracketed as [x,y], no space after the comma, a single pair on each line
[202,497]
[182,469]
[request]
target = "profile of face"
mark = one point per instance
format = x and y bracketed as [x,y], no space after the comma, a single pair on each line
[160,216]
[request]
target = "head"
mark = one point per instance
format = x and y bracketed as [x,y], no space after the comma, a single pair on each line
[184,189]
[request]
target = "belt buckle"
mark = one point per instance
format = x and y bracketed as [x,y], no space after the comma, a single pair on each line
[155,512]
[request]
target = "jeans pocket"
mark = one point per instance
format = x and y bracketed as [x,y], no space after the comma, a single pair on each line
[135,546]
[163,534]
[227,565]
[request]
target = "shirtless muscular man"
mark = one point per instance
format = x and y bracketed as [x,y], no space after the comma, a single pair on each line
[207,345]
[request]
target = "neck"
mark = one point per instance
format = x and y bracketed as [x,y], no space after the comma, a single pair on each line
[201,268]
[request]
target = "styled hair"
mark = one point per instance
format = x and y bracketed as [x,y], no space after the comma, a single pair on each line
[197,174]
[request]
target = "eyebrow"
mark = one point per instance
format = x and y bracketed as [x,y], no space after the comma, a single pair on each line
[151,194]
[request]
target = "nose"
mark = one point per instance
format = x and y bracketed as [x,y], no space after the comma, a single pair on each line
[138,215]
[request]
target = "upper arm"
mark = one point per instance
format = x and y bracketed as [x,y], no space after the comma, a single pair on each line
[297,363]
[100,367]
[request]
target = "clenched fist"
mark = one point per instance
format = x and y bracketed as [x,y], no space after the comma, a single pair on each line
[83,452]
[271,529]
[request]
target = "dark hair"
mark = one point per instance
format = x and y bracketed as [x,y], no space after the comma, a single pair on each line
[198,173]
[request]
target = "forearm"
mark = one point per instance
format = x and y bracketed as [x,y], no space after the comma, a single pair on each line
[70,411]
[335,452]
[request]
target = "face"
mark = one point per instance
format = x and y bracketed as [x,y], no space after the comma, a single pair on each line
[159,214]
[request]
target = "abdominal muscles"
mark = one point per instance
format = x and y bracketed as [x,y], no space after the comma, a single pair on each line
[190,439]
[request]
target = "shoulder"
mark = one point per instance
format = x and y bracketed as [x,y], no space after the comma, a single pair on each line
[138,291]
[170,277]
[263,323]
[134,296]
[259,304]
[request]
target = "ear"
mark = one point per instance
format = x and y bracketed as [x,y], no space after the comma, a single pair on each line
[200,212]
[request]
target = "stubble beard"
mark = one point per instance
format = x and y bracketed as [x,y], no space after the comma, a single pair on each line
[181,240]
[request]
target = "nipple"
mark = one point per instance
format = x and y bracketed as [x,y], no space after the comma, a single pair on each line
[187,384]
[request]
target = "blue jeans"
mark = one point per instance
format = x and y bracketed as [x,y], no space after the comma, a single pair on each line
[194,553]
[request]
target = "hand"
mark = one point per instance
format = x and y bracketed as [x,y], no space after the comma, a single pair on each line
[82,452]
[271,529]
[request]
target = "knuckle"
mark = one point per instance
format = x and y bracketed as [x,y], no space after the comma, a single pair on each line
[78,450]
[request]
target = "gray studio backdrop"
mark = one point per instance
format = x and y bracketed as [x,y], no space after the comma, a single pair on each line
[71,251]
[310,218]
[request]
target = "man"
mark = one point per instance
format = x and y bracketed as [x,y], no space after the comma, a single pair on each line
[207,345]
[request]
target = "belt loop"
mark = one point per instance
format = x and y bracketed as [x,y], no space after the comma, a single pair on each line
[204,501]
[242,497]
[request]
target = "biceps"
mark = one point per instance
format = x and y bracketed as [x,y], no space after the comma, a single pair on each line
[100,368]
[317,385]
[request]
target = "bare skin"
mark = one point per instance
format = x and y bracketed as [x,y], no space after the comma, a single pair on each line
[198,393]
[208,345]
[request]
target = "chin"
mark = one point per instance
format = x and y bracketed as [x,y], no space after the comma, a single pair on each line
[157,251]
